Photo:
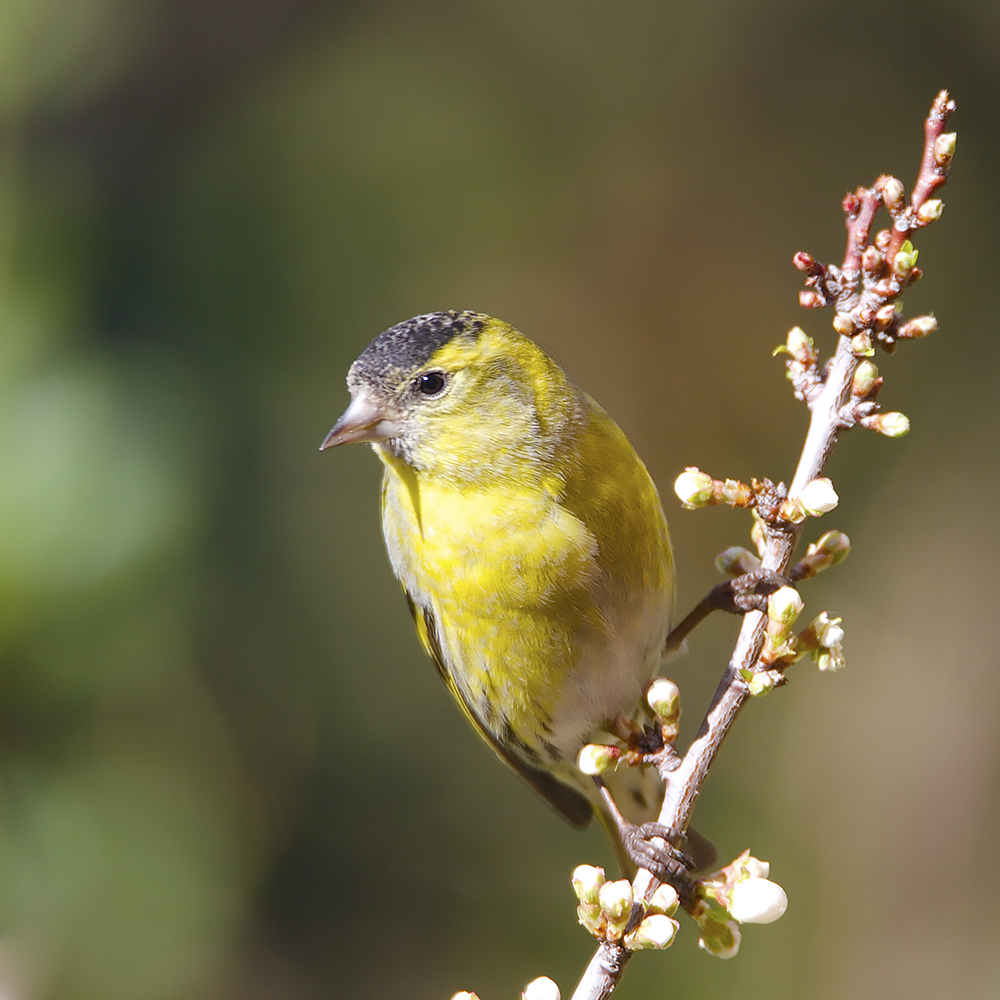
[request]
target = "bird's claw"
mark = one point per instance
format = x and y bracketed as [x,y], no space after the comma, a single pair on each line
[666,862]
[748,592]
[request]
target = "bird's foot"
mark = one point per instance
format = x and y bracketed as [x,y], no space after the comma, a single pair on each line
[651,846]
[748,592]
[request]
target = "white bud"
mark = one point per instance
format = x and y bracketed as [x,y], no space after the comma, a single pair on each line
[656,931]
[616,898]
[757,901]
[755,868]
[818,496]
[784,605]
[694,488]
[664,698]
[736,561]
[595,758]
[587,880]
[663,900]
[541,988]
[465,995]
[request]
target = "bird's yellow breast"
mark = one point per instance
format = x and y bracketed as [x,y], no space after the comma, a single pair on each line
[551,594]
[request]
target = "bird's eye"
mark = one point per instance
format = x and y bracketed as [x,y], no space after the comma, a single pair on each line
[431,383]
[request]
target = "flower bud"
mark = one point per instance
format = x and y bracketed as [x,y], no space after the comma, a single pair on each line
[754,868]
[872,260]
[919,326]
[809,298]
[736,561]
[616,902]
[930,211]
[656,931]
[865,379]
[784,606]
[944,148]
[829,550]
[757,901]
[818,496]
[761,683]
[803,261]
[595,758]
[465,995]
[694,488]
[664,698]
[542,988]
[893,194]
[720,938]
[883,238]
[843,324]
[758,534]
[663,900]
[885,315]
[587,881]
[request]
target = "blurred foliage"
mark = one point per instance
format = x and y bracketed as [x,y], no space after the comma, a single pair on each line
[226,769]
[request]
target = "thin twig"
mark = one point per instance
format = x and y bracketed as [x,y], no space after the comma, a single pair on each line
[862,291]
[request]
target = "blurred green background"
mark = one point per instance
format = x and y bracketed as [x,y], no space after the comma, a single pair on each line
[226,769]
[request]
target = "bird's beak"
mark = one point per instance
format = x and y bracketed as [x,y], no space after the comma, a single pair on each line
[364,420]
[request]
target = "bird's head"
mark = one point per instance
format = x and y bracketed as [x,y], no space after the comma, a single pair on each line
[460,395]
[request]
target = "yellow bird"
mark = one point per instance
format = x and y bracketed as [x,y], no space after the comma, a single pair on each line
[528,537]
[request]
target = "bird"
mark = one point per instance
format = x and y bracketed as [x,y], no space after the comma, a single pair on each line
[529,540]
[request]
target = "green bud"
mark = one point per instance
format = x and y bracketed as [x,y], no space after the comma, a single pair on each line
[719,936]
[893,425]
[865,378]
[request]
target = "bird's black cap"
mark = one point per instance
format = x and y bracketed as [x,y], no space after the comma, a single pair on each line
[399,351]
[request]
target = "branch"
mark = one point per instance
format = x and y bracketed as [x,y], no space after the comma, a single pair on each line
[864,292]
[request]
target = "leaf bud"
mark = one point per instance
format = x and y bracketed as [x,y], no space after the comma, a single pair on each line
[861,345]
[719,937]
[586,881]
[595,758]
[655,931]
[757,901]
[930,211]
[919,326]
[542,988]
[944,148]
[904,261]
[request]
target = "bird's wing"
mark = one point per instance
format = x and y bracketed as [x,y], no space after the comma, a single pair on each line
[570,804]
